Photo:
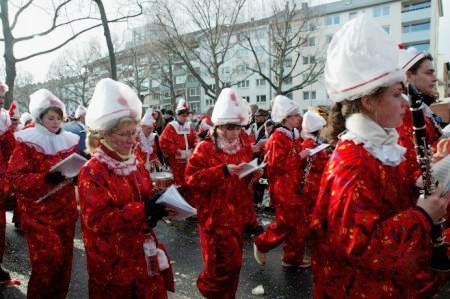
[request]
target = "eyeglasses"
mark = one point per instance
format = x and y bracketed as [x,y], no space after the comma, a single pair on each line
[127,134]
[232,127]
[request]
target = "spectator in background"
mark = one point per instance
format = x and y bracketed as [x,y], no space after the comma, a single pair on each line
[78,127]
[168,117]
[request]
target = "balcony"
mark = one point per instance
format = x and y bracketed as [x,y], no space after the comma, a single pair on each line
[415,37]
[416,15]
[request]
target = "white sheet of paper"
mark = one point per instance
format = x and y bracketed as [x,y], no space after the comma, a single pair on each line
[173,199]
[70,166]
[441,172]
[318,148]
[247,168]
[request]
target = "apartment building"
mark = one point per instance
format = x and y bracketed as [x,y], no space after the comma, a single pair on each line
[410,22]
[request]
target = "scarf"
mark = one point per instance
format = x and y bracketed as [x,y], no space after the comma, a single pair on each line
[122,168]
[380,142]
[227,147]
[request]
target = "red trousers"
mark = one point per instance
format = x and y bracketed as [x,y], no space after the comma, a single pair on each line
[290,229]
[222,259]
[137,290]
[3,199]
[51,252]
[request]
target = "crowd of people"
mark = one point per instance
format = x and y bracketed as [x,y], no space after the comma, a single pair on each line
[343,186]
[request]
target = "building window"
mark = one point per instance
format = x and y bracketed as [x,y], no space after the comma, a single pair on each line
[180,79]
[333,20]
[226,70]
[260,82]
[328,38]
[261,99]
[310,25]
[143,60]
[382,11]
[288,62]
[352,15]
[416,6]
[167,94]
[387,28]
[209,102]
[287,80]
[309,95]
[194,92]
[244,84]
[416,27]
[309,60]
[310,42]
[191,78]
[247,98]
[260,33]
[212,87]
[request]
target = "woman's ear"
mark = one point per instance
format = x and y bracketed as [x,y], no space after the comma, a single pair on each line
[367,104]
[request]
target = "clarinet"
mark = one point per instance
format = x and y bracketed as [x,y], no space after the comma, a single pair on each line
[307,169]
[439,260]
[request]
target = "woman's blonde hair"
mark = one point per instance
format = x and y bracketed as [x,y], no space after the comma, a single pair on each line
[94,137]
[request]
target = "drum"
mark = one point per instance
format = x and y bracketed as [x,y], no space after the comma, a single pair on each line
[162,180]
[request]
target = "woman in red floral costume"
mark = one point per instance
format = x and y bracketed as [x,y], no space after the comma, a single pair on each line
[285,161]
[226,199]
[46,199]
[124,257]
[369,237]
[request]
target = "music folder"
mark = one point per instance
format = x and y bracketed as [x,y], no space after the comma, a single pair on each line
[70,167]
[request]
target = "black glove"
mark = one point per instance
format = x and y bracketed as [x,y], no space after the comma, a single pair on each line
[54,178]
[155,211]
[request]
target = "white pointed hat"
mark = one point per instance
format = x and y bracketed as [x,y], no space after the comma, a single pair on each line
[230,109]
[409,57]
[312,122]
[181,105]
[14,110]
[361,58]
[26,116]
[283,107]
[148,118]
[80,111]
[111,101]
[3,87]
[43,99]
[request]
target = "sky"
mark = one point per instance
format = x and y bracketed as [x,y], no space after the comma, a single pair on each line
[39,66]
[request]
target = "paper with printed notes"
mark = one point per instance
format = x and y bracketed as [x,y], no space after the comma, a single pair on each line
[172,198]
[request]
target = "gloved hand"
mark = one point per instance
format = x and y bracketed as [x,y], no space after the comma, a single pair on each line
[54,178]
[153,210]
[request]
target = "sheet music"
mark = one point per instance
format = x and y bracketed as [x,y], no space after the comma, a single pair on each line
[70,166]
[441,172]
[247,168]
[173,199]
[318,148]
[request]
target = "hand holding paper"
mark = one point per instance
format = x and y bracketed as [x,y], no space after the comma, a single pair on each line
[70,166]
[172,199]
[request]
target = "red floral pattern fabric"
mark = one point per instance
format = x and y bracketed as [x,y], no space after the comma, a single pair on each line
[285,172]
[170,142]
[367,239]
[223,212]
[113,227]
[49,225]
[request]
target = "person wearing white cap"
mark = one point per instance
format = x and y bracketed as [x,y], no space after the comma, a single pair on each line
[284,164]
[26,120]
[14,115]
[312,125]
[46,198]
[117,207]
[177,142]
[6,138]
[146,150]
[78,127]
[369,236]
[223,207]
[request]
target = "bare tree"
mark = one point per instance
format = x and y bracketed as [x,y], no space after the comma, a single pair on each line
[285,47]
[200,33]
[25,87]
[59,17]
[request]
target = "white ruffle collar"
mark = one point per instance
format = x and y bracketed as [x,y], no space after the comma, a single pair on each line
[146,143]
[227,147]
[288,133]
[181,129]
[5,121]
[45,141]
[121,168]
[380,142]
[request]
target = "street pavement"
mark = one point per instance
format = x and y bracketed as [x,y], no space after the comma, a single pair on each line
[182,243]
